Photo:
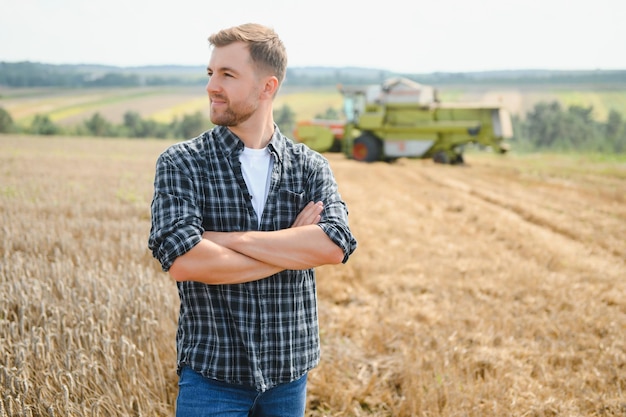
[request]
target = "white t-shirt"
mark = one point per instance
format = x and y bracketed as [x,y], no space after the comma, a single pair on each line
[255,165]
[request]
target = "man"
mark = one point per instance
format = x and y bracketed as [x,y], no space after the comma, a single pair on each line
[240,217]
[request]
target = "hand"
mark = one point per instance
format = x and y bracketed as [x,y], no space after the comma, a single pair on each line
[310,214]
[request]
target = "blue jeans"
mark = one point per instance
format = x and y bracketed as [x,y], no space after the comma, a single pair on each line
[199,396]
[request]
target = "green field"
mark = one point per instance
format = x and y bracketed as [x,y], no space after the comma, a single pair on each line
[71,106]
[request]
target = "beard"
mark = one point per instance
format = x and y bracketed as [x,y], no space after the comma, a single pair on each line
[233,114]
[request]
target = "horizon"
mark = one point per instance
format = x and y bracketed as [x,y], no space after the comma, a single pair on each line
[324,67]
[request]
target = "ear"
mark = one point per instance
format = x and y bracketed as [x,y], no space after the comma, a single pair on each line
[270,87]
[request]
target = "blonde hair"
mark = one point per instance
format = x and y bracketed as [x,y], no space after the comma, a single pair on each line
[266,48]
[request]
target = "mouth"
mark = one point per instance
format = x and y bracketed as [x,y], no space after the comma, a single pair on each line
[217,100]
[218,103]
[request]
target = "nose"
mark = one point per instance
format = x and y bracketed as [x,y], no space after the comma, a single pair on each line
[211,85]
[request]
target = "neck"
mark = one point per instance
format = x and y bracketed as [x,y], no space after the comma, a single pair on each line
[255,133]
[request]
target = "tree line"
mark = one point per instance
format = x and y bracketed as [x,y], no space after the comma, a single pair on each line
[551,127]
[33,74]
[547,127]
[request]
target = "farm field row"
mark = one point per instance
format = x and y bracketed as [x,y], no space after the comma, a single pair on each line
[490,289]
[71,106]
[163,104]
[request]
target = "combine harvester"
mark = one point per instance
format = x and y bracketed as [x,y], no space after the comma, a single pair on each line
[402,118]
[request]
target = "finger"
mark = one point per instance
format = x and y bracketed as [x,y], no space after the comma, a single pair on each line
[310,214]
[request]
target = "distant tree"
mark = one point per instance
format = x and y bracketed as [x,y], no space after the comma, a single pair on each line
[191,125]
[545,124]
[549,126]
[615,132]
[580,128]
[285,118]
[136,127]
[6,121]
[614,124]
[330,114]
[99,126]
[133,124]
[153,129]
[619,142]
[42,125]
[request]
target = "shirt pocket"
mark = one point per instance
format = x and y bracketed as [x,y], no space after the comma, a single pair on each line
[288,205]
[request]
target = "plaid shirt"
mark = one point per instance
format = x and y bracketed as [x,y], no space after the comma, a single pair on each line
[260,333]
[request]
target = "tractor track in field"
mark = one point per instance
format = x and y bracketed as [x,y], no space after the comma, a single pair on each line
[495,200]
[537,205]
[587,211]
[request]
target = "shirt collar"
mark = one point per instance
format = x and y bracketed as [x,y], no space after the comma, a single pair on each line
[277,145]
[233,145]
[229,142]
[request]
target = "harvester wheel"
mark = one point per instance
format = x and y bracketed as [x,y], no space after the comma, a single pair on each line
[366,148]
[441,157]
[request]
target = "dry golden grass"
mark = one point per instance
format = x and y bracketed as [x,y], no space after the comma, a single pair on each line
[493,289]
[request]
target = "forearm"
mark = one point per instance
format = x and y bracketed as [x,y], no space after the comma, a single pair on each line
[211,263]
[294,248]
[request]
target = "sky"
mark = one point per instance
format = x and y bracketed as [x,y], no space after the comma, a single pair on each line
[408,36]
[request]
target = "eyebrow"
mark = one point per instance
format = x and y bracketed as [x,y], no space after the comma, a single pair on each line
[223,69]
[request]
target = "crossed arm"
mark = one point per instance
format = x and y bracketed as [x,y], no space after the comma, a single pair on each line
[236,257]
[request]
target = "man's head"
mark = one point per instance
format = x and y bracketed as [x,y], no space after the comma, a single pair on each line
[266,49]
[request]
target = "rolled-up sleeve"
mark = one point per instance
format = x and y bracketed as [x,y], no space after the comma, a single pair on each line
[340,234]
[334,221]
[176,219]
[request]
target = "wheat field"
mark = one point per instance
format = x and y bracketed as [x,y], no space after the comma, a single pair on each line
[497,288]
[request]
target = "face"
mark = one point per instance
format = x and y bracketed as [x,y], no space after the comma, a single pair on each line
[233,87]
